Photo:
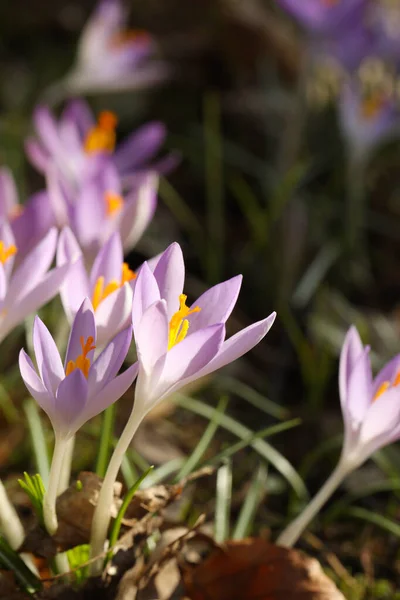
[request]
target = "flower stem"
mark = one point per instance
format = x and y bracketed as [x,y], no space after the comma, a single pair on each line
[294,530]
[50,497]
[102,514]
[65,474]
[10,525]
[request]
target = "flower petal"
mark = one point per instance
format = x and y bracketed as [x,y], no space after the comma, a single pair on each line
[146,292]
[138,211]
[359,390]
[170,277]
[381,420]
[113,314]
[70,402]
[151,335]
[140,147]
[34,384]
[351,351]
[109,362]
[216,304]
[108,262]
[76,285]
[47,356]
[83,327]
[7,237]
[388,373]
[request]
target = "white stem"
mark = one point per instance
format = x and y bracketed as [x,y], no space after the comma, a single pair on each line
[102,513]
[62,563]
[50,497]
[65,474]
[294,530]
[10,524]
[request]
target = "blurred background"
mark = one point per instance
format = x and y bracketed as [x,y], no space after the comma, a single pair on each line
[289,172]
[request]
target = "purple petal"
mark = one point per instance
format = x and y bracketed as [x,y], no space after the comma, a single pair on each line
[359,390]
[388,373]
[8,193]
[145,294]
[70,402]
[37,155]
[108,395]
[151,335]
[108,263]
[140,147]
[352,349]
[193,354]
[3,285]
[33,300]
[76,285]
[34,383]
[109,362]
[113,314]
[138,211]
[88,216]
[47,357]
[82,327]
[33,268]
[7,237]
[170,276]
[216,304]
[31,226]
[381,419]
[78,112]
[57,196]
[239,344]
[46,127]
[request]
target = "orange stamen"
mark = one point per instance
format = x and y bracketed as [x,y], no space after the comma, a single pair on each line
[381,390]
[6,253]
[114,203]
[100,292]
[371,106]
[101,137]
[127,37]
[82,362]
[179,325]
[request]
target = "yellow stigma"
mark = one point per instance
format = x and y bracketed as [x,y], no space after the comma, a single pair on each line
[179,325]
[101,137]
[114,203]
[386,385]
[82,362]
[100,292]
[6,253]
[372,105]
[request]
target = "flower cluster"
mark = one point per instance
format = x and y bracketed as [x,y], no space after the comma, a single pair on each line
[353,52]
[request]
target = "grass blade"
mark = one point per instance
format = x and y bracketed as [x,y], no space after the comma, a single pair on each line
[374,518]
[253,498]
[11,560]
[106,440]
[38,439]
[253,397]
[204,441]
[223,503]
[263,448]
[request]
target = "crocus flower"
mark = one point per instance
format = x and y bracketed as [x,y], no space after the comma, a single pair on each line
[75,144]
[26,288]
[325,16]
[366,117]
[29,221]
[371,414]
[111,58]
[99,209]
[74,392]
[108,284]
[175,345]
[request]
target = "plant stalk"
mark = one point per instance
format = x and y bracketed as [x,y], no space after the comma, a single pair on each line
[50,497]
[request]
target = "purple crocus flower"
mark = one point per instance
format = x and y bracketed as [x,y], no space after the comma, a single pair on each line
[108,284]
[111,58]
[371,414]
[325,16]
[75,145]
[27,287]
[98,209]
[366,118]
[30,221]
[175,344]
[74,392]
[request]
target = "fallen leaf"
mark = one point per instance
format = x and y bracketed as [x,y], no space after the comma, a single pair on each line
[254,569]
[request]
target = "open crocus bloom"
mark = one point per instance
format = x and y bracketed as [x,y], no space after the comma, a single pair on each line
[73,393]
[29,222]
[366,119]
[112,58]
[370,407]
[99,209]
[109,284]
[29,286]
[76,144]
[325,16]
[177,343]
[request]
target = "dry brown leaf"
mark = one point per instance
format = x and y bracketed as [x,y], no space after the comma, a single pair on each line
[254,569]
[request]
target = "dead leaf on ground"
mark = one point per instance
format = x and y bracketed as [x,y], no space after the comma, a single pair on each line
[254,569]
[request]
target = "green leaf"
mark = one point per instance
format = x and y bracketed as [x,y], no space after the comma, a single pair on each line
[34,487]
[9,559]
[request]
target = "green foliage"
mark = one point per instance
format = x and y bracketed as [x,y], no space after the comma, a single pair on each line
[35,489]
[76,557]
[9,559]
